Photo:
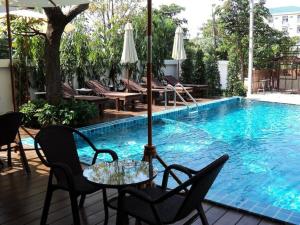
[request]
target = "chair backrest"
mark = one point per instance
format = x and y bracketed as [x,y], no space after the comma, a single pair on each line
[154,82]
[9,127]
[97,87]
[171,80]
[58,145]
[68,91]
[200,185]
[132,86]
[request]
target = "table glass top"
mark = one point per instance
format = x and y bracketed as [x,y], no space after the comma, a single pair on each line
[119,173]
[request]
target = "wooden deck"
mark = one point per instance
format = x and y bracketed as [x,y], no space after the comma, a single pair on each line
[22,197]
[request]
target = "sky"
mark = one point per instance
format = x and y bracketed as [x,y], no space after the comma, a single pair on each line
[199,11]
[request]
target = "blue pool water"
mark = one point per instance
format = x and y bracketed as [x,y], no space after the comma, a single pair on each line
[262,140]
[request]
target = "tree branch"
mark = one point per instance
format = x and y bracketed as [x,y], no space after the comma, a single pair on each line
[75,11]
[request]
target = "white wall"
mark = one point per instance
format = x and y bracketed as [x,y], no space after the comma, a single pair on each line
[171,68]
[5,87]
[223,69]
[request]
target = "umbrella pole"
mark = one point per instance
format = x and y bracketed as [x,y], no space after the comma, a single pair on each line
[178,69]
[149,151]
[10,55]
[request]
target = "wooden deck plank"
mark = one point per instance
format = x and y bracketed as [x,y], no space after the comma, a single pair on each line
[268,222]
[229,218]
[249,220]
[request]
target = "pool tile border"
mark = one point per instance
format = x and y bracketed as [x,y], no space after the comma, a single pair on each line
[257,208]
[102,128]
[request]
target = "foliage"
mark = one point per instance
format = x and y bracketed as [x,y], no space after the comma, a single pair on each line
[235,86]
[199,75]
[28,57]
[233,30]
[193,68]
[74,113]
[165,22]
[212,72]
[107,36]
[75,53]
[3,48]
[187,65]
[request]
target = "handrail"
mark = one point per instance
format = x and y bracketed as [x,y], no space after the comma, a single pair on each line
[176,93]
[191,97]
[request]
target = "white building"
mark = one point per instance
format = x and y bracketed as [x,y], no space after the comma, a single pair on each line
[286,19]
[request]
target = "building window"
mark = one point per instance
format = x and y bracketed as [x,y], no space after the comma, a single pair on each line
[298,18]
[285,19]
[298,29]
[285,29]
[276,18]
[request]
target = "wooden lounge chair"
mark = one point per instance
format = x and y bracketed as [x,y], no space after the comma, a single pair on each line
[56,148]
[196,87]
[156,84]
[69,92]
[158,94]
[158,205]
[122,99]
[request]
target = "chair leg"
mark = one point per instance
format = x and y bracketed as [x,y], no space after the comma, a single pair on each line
[46,205]
[202,216]
[23,158]
[81,202]
[9,163]
[105,206]
[75,210]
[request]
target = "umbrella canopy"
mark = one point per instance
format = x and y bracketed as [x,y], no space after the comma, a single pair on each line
[129,52]
[178,46]
[43,3]
[36,15]
[25,13]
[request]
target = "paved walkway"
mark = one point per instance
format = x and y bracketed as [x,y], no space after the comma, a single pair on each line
[277,97]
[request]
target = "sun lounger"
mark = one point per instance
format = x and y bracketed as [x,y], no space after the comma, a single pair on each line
[69,92]
[122,99]
[158,94]
[159,85]
[196,87]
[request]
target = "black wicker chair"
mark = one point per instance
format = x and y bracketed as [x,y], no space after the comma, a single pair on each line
[9,130]
[157,205]
[56,147]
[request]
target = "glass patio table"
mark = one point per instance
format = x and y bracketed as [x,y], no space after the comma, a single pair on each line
[118,175]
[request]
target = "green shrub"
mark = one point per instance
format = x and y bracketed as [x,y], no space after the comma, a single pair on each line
[235,86]
[72,113]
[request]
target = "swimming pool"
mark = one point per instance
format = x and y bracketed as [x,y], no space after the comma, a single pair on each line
[262,140]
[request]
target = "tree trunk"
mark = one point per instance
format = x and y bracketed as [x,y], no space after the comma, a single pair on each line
[56,25]
[57,22]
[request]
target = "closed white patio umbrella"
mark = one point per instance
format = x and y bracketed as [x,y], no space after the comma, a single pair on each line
[129,54]
[178,47]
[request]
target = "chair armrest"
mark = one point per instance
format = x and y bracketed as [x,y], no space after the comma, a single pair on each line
[113,154]
[136,193]
[97,151]
[66,170]
[189,172]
